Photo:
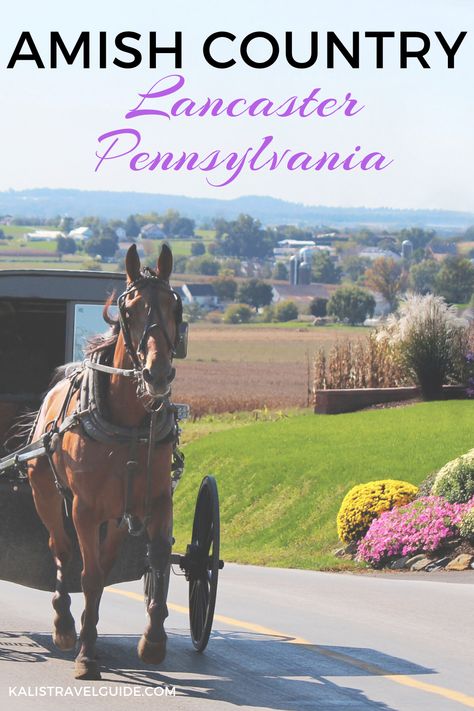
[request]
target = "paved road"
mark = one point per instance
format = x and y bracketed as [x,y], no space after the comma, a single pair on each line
[286,640]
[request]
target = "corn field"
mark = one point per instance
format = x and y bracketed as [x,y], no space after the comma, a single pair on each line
[367,363]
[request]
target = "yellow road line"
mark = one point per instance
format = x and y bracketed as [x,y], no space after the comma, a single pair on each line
[372,669]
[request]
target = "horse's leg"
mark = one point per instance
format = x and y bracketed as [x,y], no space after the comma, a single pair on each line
[110,546]
[92,586]
[152,645]
[49,504]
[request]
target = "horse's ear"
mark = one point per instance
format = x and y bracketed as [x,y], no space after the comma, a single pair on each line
[165,262]
[132,264]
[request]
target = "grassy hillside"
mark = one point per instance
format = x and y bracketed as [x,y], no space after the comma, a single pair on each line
[281,482]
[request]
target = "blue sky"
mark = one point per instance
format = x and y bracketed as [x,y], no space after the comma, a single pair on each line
[422,119]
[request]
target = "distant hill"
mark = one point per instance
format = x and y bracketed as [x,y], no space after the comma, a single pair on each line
[46,202]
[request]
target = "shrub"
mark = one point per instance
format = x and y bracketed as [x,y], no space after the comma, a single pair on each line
[455,481]
[203,265]
[422,525]
[91,265]
[286,311]
[280,271]
[268,314]
[364,502]
[470,372]
[225,288]
[430,340]
[192,312]
[351,303]
[197,248]
[466,527]
[318,307]
[238,313]
[426,486]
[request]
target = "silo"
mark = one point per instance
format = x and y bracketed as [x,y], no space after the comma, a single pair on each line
[294,271]
[304,273]
[407,249]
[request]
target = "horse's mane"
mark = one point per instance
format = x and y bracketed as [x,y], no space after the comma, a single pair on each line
[105,343]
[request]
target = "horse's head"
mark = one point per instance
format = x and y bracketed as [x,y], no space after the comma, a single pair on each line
[150,313]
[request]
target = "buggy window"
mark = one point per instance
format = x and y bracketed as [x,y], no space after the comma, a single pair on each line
[88,321]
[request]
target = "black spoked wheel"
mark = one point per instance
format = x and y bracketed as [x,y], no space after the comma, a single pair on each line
[203,563]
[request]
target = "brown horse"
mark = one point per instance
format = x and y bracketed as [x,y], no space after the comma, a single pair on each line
[93,471]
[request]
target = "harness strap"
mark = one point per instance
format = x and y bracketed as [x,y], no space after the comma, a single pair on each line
[95,365]
[132,468]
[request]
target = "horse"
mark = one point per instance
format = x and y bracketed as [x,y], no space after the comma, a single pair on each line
[90,469]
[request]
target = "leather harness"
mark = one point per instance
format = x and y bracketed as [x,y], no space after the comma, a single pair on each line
[160,426]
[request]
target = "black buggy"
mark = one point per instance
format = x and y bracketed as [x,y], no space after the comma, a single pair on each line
[59,310]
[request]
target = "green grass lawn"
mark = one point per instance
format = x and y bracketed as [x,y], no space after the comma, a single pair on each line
[281,482]
[18,231]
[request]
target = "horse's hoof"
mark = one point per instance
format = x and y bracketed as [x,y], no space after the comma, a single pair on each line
[151,652]
[65,640]
[87,669]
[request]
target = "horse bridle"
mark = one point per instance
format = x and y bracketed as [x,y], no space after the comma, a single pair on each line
[148,280]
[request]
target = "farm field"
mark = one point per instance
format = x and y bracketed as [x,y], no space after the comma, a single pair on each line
[231,368]
[281,481]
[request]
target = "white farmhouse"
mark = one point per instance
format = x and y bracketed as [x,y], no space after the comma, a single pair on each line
[203,295]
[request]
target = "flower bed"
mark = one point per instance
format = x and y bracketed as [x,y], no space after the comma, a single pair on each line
[423,525]
[392,523]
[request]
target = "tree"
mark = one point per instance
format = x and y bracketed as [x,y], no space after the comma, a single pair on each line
[203,265]
[197,248]
[255,292]
[238,313]
[176,226]
[106,245]
[318,307]
[417,236]
[192,312]
[354,267]
[469,234]
[132,228]
[280,271]
[351,303]
[455,281]
[366,237]
[66,224]
[386,277]
[65,245]
[180,264]
[422,276]
[324,269]
[244,237]
[93,222]
[286,311]
[225,288]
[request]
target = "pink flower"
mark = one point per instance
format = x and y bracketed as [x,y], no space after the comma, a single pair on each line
[422,525]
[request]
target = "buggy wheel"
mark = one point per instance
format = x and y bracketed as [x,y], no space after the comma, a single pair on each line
[203,563]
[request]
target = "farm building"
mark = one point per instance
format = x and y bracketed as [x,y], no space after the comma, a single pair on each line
[203,295]
[152,231]
[376,253]
[43,235]
[81,233]
[302,294]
